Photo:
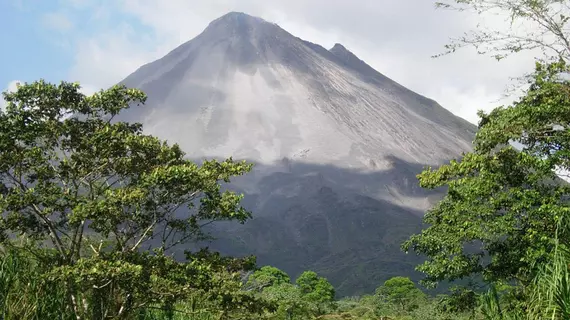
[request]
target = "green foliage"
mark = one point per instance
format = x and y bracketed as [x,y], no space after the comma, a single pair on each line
[23,292]
[550,291]
[499,216]
[402,292]
[459,300]
[289,299]
[523,234]
[314,288]
[493,306]
[26,295]
[63,163]
[398,298]
[310,296]
[82,196]
[506,212]
[363,307]
[551,295]
[267,276]
[96,191]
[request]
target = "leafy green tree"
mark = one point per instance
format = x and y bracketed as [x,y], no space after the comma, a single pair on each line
[362,307]
[310,296]
[402,292]
[316,289]
[460,300]
[290,302]
[267,276]
[96,191]
[502,207]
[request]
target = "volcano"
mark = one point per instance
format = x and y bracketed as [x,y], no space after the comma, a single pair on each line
[336,146]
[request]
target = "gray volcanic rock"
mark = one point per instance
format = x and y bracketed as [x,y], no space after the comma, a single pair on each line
[337,146]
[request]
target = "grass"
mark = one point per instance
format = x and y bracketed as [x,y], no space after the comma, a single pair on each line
[24,295]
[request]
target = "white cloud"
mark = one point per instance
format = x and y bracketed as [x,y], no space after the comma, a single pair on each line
[88,89]
[108,57]
[11,87]
[78,3]
[397,38]
[57,21]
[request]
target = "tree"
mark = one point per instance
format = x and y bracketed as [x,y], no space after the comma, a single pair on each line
[267,276]
[502,206]
[459,300]
[534,24]
[402,292]
[95,191]
[274,286]
[316,290]
[289,300]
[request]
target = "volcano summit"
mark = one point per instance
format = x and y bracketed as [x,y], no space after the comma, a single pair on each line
[336,144]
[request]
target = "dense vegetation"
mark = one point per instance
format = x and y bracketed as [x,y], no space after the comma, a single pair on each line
[91,215]
[92,210]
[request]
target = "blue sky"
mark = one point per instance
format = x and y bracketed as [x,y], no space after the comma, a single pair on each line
[29,51]
[44,37]
[100,42]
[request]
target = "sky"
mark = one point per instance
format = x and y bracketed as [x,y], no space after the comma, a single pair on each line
[100,42]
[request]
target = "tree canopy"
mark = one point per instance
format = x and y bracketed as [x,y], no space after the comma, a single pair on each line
[500,215]
[401,291]
[268,276]
[315,288]
[94,192]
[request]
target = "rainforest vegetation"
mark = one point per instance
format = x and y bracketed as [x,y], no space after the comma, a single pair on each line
[91,211]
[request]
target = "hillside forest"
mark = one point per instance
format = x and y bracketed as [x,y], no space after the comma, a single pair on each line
[89,212]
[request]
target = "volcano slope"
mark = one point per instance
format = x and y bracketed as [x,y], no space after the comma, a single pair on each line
[336,145]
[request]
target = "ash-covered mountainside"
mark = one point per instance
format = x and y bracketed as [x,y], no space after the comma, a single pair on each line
[337,145]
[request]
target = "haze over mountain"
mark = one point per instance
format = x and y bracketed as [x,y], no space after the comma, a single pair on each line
[337,146]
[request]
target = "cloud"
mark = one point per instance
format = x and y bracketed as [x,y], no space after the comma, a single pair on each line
[105,59]
[78,3]
[11,87]
[397,38]
[88,89]
[57,21]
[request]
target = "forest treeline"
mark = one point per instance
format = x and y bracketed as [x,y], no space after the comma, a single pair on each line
[89,216]
[89,209]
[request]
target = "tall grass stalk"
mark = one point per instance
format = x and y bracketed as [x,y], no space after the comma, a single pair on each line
[550,295]
[23,295]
